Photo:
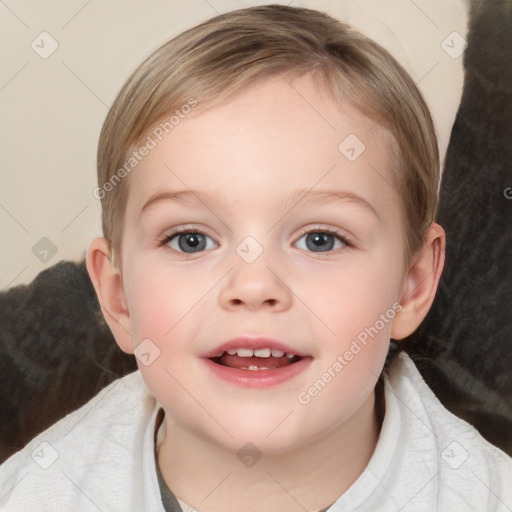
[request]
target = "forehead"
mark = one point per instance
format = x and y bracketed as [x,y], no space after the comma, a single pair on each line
[273,137]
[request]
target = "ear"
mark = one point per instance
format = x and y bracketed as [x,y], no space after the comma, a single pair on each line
[420,283]
[109,287]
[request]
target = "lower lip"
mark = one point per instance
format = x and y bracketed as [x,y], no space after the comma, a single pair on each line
[258,378]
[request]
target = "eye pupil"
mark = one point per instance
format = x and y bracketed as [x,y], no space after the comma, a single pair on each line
[188,241]
[320,241]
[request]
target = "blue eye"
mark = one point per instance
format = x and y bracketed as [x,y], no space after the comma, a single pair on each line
[189,242]
[321,241]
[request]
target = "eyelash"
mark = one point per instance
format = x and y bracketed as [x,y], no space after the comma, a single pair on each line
[335,233]
[165,239]
[169,236]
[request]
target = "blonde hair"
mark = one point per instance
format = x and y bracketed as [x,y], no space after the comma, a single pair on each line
[210,62]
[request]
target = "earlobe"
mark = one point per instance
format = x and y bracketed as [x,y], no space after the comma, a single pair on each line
[110,291]
[421,283]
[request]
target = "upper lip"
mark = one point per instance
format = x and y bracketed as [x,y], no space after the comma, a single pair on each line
[253,343]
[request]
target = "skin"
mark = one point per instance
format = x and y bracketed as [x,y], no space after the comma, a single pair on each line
[249,154]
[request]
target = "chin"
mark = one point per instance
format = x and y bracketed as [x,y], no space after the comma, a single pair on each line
[268,435]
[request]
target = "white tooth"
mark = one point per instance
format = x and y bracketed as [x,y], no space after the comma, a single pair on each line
[252,367]
[289,356]
[245,352]
[277,353]
[231,352]
[262,352]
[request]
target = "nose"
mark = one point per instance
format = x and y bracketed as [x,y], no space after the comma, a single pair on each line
[254,286]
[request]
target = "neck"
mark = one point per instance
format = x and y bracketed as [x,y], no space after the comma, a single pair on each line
[209,477]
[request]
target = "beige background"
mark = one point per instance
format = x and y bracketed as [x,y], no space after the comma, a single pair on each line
[52,108]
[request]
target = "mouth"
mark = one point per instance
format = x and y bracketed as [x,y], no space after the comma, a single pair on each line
[259,363]
[256,359]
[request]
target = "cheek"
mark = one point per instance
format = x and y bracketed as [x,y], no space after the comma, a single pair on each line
[163,309]
[161,297]
[356,308]
[352,355]
[349,300]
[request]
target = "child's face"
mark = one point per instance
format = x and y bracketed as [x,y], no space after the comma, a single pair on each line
[258,174]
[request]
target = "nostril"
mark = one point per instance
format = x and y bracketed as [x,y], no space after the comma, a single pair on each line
[270,302]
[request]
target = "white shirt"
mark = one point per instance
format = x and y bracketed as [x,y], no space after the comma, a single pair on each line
[101,457]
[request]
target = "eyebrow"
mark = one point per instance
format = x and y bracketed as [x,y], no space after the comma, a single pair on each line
[300,196]
[308,196]
[175,195]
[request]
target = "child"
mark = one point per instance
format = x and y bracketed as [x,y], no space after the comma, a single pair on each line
[268,183]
